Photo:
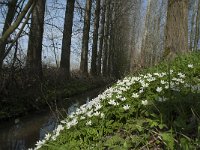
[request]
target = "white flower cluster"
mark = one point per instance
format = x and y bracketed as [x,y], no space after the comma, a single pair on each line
[159,89]
[114,96]
[190,66]
[113,102]
[85,111]
[126,107]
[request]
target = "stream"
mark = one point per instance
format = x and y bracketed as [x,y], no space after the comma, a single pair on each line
[22,133]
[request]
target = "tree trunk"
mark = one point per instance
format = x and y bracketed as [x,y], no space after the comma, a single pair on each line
[145,48]
[34,54]
[135,30]
[85,40]
[106,39]
[95,39]
[9,18]
[176,31]
[197,36]
[101,40]
[110,52]
[194,11]
[66,43]
[111,40]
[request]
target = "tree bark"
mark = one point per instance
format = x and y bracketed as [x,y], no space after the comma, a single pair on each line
[197,34]
[85,40]
[95,39]
[135,52]
[145,40]
[176,31]
[34,54]
[66,43]
[194,11]
[106,39]
[110,40]
[101,40]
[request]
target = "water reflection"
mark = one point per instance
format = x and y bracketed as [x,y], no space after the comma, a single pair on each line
[19,136]
[33,127]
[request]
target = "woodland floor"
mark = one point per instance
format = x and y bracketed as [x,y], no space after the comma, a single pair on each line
[157,108]
[20,95]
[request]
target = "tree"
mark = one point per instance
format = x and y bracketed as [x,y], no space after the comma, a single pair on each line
[152,41]
[176,31]
[9,19]
[146,49]
[7,32]
[120,32]
[193,8]
[66,42]
[106,39]
[85,39]
[34,54]
[95,39]
[197,34]
[135,52]
[101,38]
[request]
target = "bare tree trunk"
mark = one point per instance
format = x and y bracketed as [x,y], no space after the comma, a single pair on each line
[194,11]
[155,33]
[110,51]
[54,50]
[162,16]
[85,40]
[176,32]
[95,39]
[34,54]
[66,42]
[197,36]
[101,39]
[134,37]
[106,40]
[111,39]
[145,35]
[9,18]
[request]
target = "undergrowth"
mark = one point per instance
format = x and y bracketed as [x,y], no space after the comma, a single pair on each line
[156,109]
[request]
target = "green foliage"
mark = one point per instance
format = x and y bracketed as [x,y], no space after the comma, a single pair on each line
[168,119]
[168,139]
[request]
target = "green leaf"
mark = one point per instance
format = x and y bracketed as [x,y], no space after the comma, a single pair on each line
[168,139]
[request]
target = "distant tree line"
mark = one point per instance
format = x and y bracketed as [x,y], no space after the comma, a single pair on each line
[126,34]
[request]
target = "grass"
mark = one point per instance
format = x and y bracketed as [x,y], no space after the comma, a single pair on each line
[159,108]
